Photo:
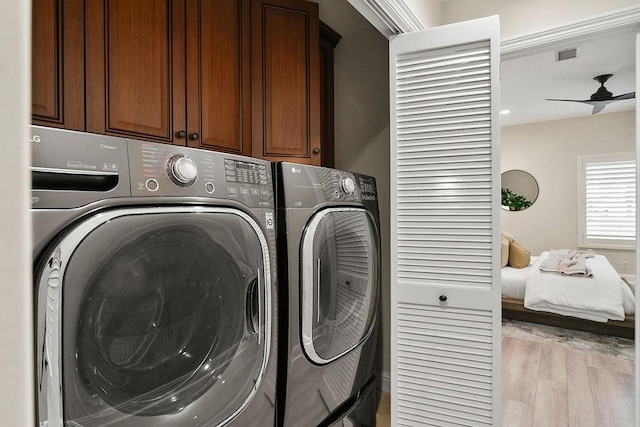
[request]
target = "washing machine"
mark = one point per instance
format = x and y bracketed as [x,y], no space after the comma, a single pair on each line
[154,274]
[329,276]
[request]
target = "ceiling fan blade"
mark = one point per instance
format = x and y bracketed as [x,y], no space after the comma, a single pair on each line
[570,100]
[598,107]
[601,97]
[629,95]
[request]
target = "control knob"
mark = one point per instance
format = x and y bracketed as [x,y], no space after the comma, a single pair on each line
[347,184]
[182,170]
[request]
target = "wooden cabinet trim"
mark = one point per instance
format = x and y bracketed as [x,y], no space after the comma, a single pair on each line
[329,39]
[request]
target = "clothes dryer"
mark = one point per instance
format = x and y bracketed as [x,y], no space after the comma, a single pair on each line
[155,298]
[329,272]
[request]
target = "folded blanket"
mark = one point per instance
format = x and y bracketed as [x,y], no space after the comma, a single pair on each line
[567,261]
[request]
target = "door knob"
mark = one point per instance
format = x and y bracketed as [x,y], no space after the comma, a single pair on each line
[181,134]
[316,150]
[194,136]
[443,298]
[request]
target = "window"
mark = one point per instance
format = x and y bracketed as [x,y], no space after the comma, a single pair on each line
[607,201]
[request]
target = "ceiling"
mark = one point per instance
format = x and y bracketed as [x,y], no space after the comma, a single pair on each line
[526,81]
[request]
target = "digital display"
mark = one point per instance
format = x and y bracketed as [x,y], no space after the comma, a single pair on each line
[245,172]
[249,166]
[367,186]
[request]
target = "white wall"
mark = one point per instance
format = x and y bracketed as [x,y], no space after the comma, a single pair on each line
[429,12]
[518,17]
[362,133]
[16,387]
[549,151]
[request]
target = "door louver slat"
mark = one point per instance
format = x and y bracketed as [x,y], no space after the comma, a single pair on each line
[468,339]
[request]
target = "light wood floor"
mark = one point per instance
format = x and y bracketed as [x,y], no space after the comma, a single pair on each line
[547,385]
[383,416]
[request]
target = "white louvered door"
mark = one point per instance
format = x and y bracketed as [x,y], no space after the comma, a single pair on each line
[445,245]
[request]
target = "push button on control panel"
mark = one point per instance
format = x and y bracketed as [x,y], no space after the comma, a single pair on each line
[209,187]
[151,184]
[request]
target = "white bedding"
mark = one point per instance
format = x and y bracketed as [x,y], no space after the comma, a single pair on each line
[599,298]
[514,280]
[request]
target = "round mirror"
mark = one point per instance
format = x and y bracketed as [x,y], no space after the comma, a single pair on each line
[519,190]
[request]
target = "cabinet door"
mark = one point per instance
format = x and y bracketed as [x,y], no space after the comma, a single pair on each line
[135,54]
[57,80]
[218,75]
[285,81]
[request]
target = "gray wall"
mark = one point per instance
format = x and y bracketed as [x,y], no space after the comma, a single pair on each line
[362,132]
[549,151]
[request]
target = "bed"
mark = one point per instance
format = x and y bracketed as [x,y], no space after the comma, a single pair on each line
[602,303]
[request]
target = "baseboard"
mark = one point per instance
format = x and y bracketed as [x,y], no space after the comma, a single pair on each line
[384,382]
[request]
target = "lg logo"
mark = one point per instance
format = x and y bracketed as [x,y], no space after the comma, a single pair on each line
[36,138]
[295,170]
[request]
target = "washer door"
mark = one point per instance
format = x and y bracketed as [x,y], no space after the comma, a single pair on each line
[340,266]
[165,313]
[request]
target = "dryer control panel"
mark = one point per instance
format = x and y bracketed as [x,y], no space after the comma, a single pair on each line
[308,186]
[167,170]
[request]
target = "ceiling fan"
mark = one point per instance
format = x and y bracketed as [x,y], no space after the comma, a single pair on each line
[601,97]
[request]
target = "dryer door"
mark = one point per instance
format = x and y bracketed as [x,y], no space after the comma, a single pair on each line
[164,318]
[340,280]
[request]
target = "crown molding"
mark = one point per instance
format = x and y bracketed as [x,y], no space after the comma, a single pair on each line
[608,24]
[390,17]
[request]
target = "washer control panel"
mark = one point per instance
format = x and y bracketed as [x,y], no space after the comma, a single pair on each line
[71,169]
[167,170]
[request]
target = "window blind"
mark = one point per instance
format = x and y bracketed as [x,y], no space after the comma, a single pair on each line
[610,200]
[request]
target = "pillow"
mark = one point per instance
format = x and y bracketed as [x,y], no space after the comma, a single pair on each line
[505,252]
[518,256]
[508,236]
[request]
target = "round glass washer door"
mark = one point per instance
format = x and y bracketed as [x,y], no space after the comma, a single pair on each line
[162,311]
[340,265]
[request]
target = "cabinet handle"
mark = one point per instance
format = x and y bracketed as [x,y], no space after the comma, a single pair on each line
[443,298]
[316,150]
[194,136]
[181,134]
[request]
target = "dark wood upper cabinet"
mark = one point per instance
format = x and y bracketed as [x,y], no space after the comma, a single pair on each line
[135,56]
[240,76]
[285,81]
[218,75]
[170,71]
[57,57]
